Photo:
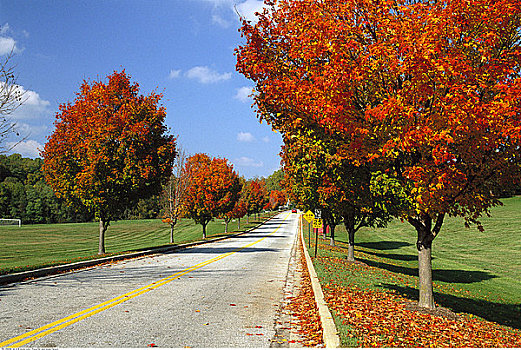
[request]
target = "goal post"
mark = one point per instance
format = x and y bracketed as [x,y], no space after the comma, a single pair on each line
[11,222]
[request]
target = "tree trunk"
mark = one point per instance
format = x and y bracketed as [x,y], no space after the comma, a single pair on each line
[350,228]
[103,225]
[204,230]
[425,274]
[239,224]
[226,226]
[426,234]
[332,239]
[171,233]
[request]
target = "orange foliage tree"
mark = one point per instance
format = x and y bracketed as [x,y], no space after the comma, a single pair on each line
[428,89]
[256,196]
[277,199]
[109,149]
[214,189]
[238,212]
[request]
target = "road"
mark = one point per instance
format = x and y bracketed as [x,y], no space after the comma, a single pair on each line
[221,294]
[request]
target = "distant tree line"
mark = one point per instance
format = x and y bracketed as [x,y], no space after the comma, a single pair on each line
[25,195]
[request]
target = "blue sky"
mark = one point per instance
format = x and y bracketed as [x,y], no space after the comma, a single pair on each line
[182,48]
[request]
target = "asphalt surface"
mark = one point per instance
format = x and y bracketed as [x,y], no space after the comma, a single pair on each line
[222,294]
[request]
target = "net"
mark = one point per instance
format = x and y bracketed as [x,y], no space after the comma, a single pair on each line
[17,222]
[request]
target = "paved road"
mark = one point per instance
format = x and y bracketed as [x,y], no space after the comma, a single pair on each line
[222,294]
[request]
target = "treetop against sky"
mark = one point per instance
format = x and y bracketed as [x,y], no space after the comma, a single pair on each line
[182,49]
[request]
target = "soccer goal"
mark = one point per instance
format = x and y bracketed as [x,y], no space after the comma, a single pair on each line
[11,222]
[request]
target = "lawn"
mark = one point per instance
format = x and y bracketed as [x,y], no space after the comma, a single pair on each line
[34,246]
[475,273]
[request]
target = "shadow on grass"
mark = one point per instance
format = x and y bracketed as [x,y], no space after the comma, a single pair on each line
[384,245]
[504,314]
[402,257]
[450,276]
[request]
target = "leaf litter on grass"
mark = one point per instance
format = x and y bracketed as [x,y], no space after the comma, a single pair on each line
[387,319]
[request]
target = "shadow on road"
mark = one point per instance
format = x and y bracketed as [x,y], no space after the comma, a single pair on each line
[222,250]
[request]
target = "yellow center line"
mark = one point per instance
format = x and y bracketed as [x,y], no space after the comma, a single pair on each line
[67,321]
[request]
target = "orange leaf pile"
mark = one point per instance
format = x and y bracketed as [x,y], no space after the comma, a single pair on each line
[381,319]
[304,308]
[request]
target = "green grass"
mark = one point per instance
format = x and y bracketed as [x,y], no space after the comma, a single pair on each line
[474,272]
[34,246]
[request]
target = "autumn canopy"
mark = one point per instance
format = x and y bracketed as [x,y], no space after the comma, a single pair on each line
[429,90]
[109,148]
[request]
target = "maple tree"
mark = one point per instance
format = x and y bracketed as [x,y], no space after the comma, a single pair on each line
[427,88]
[238,212]
[277,199]
[256,196]
[214,189]
[320,178]
[109,149]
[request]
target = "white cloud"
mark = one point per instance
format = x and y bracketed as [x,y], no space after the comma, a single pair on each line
[206,75]
[4,29]
[245,137]
[7,43]
[266,139]
[33,106]
[25,129]
[216,19]
[248,8]
[243,94]
[220,2]
[174,73]
[29,148]
[248,162]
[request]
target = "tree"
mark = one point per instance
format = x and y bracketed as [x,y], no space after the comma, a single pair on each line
[277,199]
[239,211]
[322,179]
[214,189]
[256,196]
[273,181]
[427,88]
[109,149]
[174,192]
[11,97]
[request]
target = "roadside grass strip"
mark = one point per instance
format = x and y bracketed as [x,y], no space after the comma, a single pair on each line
[41,332]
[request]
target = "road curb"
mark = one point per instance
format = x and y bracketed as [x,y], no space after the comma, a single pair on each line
[330,333]
[53,270]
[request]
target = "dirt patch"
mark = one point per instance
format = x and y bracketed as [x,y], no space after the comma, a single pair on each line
[439,311]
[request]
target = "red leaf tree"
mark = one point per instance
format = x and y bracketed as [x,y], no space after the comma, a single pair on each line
[277,199]
[214,189]
[256,196]
[428,89]
[109,149]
